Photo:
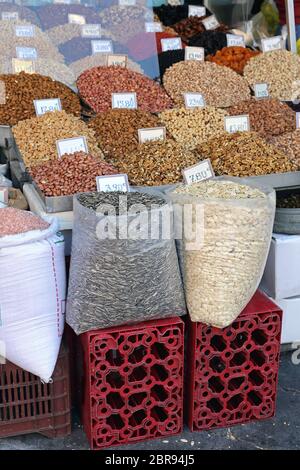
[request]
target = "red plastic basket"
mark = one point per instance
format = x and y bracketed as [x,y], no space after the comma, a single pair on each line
[29,406]
[133,382]
[233,372]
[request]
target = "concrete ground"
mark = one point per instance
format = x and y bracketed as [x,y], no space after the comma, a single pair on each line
[281,432]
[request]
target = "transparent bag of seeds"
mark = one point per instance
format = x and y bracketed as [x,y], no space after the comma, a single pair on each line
[124,267]
[223,249]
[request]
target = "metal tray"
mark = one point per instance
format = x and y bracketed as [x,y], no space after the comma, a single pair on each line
[279,181]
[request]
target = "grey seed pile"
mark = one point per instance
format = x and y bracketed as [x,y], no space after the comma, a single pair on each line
[121,281]
[64,32]
[220,86]
[124,21]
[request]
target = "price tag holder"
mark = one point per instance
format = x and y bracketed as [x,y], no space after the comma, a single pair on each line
[170,44]
[237,123]
[72,145]
[272,44]
[112,183]
[261,91]
[194,100]
[235,40]
[151,133]
[116,60]
[124,100]
[9,15]
[210,23]
[47,106]
[19,65]
[91,31]
[76,19]
[153,27]
[200,172]
[194,10]
[4,195]
[27,53]
[297,120]
[102,46]
[25,31]
[194,53]
[127,3]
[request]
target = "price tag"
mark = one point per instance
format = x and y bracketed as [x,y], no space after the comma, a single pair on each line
[153,27]
[72,145]
[194,53]
[102,46]
[112,183]
[261,90]
[237,123]
[194,100]
[200,172]
[10,15]
[91,31]
[127,3]
[297,120]
[27,53]
[235,40]
[116,60]
[19,65]
[47,106]
[272,44]
[210,23]
[152,133]
[25,31]
[196,11]
[124,100]
[170,44]
[76,19]
[4,195]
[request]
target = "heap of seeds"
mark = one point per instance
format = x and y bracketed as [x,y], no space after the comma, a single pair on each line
[63,33]
[234,57]
[289,144]
[57,14]
[77,48]
[220,86]
[124,21]
[98,60]
[23,13]
[14,221]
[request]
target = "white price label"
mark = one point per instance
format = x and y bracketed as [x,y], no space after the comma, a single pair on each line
[25,31]
[210,23]
[194,10]
[152,133]
[27,53]
[124,100]
[10,15]
[91,31]
[72,145]
[200,172]
[112,183]
[235,40]
[116,60]
[153,27]
[170,44]
[4,195]
[194,100]
[237,123]
[127,3]
[272,44]
[297,120]
[19,65]
[76,19]
[47,106]
[102,46]
[194,53]
[261,90]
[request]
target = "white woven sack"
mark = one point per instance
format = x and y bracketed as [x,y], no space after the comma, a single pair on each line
[32,299]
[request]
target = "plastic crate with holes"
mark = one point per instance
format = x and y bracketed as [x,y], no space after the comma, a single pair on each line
[233,372]
[133,382]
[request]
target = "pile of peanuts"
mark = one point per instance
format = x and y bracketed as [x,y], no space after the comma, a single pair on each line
[99,60]
[234,57]
[14,221]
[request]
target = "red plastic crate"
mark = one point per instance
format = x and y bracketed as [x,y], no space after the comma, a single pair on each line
[29,406]
[233,372]
[133,382]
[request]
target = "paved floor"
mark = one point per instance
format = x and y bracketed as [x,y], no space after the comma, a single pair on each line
[281,432]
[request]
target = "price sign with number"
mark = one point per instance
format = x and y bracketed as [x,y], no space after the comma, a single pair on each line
[237,123]
[194,10]
[261,90]
[74,144]
[76,19]
[4,195]
[124,100]
[91,31]
[27,53]
[235,40]
[152,133]
[9,15]
[200,172]
[272,44]
[47,106]
[210,23]
[153,27]
[116,60]
[19,65]
[194,100]
[102,46]
[194,53]
[112,183]
[170,44]
[25,31]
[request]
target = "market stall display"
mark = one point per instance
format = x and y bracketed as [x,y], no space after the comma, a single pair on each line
[193,26]
[78,48]
[235,57]
[168,58]
[99,60]
[57,14]
[65,32]
[125,21]
[22,12]
[289,143]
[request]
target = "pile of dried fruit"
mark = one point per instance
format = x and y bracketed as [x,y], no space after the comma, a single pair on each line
[169,14]
[193,26]
[14,221]
[289,143]
[211,41]
[234,57]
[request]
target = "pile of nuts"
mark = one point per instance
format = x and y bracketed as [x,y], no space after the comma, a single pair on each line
[211,41]
[234,57]
[14,221]
[191,127]
[73,173]
[267,117]
[64,32]
[244,154]
[57,14]
[23,13]
[22,89]
[77,48]
[156,163]
[117,130]
[289,144]
[36,137]
[280,70]
[98,60]
[96,86]
[220,86]
[223,265]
